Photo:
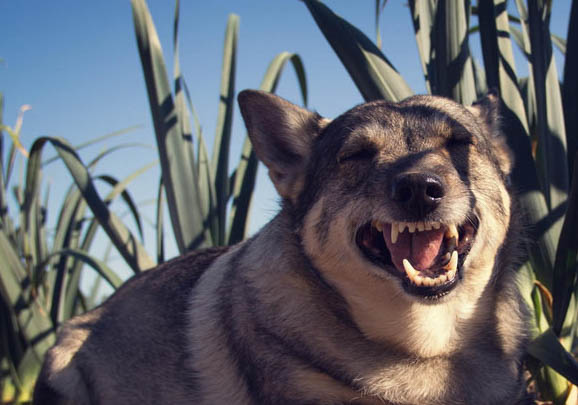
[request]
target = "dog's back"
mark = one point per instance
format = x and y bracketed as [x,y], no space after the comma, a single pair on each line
[109,354]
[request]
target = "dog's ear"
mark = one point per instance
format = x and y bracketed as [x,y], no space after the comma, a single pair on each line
[487,111]
[281,134]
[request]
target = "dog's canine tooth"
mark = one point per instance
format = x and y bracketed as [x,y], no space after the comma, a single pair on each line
[446,258]
[452,264]
[452,232]
[409,269]
[378,225]
[420,226]
[394,233]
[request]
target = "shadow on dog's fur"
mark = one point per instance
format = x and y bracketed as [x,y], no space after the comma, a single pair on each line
[388,276]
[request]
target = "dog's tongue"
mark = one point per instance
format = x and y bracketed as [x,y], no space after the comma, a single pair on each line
[420,248]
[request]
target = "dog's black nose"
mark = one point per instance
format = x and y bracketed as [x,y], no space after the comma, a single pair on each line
[417,193]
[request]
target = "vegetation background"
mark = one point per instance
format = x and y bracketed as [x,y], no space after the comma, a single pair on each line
[76,63]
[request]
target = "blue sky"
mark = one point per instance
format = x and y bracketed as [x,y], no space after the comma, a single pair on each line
[76,63]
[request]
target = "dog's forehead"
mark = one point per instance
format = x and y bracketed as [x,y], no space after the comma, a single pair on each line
[418,120]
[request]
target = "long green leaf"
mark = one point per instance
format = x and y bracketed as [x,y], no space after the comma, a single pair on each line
[451,58]
[96,140]
[570,87]
[33,322]
[127,245]
[551,156]
[566,265]
[103,270]
[548,350]
[373,74]
[423,17]
[220,162]
[183,203]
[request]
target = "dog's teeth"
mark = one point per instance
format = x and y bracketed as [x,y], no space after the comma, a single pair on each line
[427,226]
[446,257]
[402,226]
[452,232]
[436,225]
[394,233]
[420,226]
[411,227]
[442,279]
[453,264]
[377,225]
[451,244]
[408,267]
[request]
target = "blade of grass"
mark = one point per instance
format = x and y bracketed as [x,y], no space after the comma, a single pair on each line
[548,350]
[96,140]
[551,156]
[570,87]
[101,268]
[127,245]
[373,74]
[32,321]
[566,264]
[423,16]
[220,160]
[183,203]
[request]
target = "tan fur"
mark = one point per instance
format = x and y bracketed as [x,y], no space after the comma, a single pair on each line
[299,313]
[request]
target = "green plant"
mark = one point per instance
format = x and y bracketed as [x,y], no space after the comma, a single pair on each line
[541,124]
[198,190]
[41,266]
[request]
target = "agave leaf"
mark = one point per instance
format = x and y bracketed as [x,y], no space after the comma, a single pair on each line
[373,74]
[63,303]
[183,203]
[207,188]
[103,270]
[183,114]
[205,178]
[220,161]
[120,188]
[566,264]
[128,246]
[96,140]
[246,172]
[570,87]
[549,351]
[423,17]
[451,58]
[551,156]
[33,322]
[379,6]
[560,43]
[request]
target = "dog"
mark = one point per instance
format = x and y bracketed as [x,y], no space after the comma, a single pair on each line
[387,277]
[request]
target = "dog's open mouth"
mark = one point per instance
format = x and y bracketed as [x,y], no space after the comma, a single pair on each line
[427,256]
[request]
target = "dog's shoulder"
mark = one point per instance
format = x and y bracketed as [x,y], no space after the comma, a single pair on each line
[142,321]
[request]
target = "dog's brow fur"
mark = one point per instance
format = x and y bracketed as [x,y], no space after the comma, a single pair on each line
[301,312]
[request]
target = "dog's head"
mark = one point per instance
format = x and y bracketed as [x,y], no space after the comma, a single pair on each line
[397,204]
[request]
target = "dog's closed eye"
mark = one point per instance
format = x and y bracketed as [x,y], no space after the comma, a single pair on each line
[356,153]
